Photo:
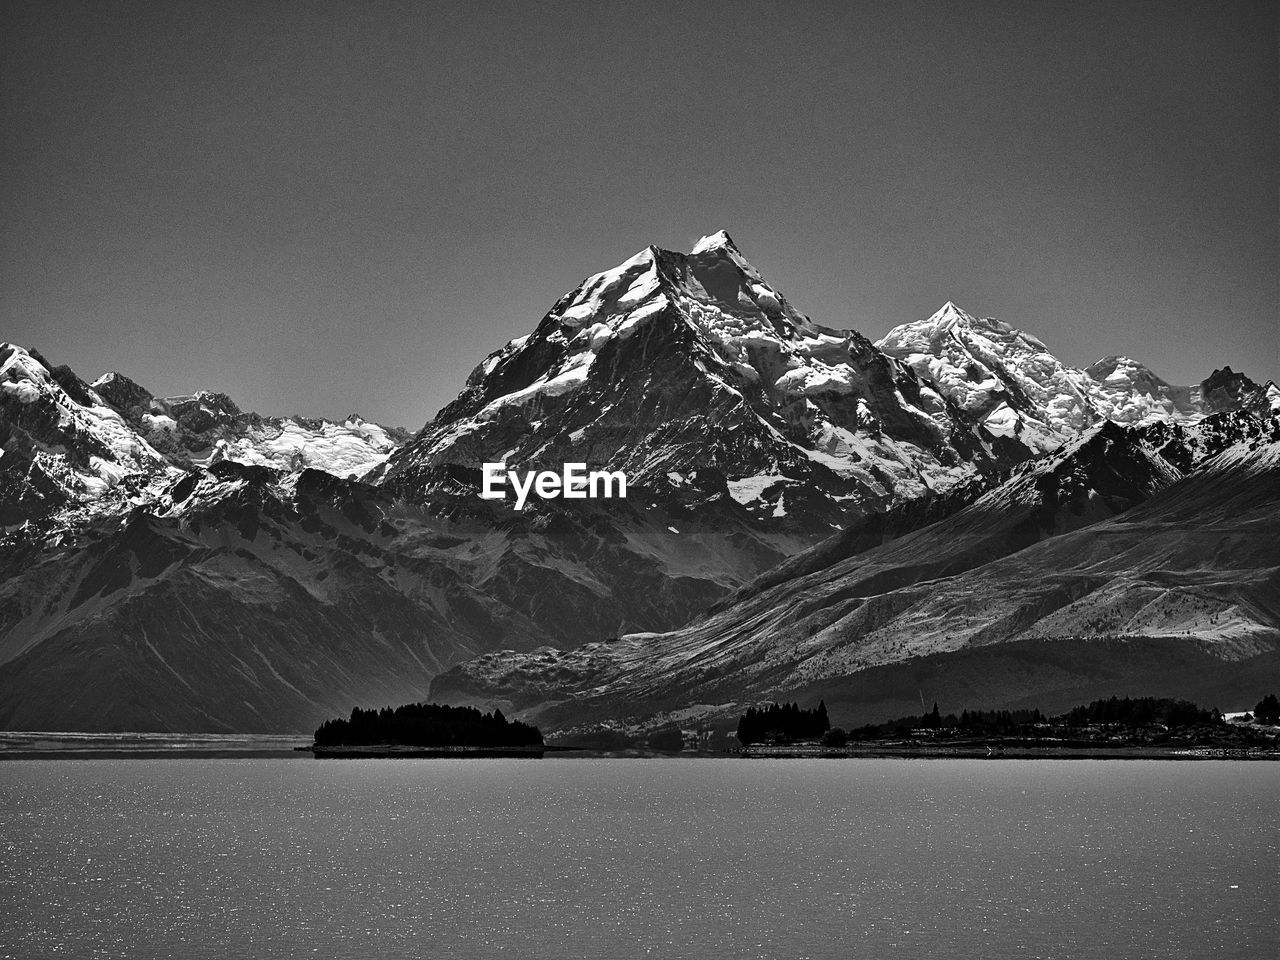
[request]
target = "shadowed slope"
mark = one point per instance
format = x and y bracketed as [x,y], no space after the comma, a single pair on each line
[1195,565]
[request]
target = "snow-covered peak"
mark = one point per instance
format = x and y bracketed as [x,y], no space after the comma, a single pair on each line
[673,364]
[720,245]
[620,290]
[207,427]
[1010,381]
[1001,376]
[950,322]
[115,379]
[948,315]
[1121,369]
[716,242]
[714,274]
[719,240]
[713,292]
[13,356]
[21,375]
[1015,387]
[68,437]
[66,445]
[1124,390]
[349,449]
[712,295]
[211,403]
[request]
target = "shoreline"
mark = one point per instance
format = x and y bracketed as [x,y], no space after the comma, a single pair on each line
[383,751]
[1006,752]
[134,746]
[63,745]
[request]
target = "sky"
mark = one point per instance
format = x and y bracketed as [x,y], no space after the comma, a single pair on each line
[324,208]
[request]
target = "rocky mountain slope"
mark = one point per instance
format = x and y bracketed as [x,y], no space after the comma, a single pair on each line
[242,598]
[1099,567]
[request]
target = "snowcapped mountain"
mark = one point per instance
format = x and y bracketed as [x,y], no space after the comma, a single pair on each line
[1129,392]
[1001,377]
[177,563]
[65,442]
[207,427]
[1009,382]
[703,383]
[60,442]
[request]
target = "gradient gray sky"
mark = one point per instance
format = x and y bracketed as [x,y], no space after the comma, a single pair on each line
[331,207]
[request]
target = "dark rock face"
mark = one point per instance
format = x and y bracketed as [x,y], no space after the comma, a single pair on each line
[180,426]
[127,397]
[1225,390]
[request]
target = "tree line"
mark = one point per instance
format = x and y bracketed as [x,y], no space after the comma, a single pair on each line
[789,723]
[1141,712]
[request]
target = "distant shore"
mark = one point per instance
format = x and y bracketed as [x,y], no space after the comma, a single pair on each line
[979,751]
[402,750]
[60,745]
[136,746]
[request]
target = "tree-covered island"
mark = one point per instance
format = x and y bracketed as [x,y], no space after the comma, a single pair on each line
[426,730]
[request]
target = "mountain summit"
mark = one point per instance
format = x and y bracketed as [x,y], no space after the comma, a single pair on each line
[1009,382]
[702,382]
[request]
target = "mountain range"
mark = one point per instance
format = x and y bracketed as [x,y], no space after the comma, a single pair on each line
[808,512]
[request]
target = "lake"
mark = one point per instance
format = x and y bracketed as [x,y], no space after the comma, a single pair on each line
[671,858]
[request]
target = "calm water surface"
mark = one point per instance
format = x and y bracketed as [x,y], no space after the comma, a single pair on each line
[638,858]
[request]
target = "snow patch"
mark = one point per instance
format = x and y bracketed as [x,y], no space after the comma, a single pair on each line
[749,489]
[1002,421]
[24,391]
[568,378]
[639,315]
